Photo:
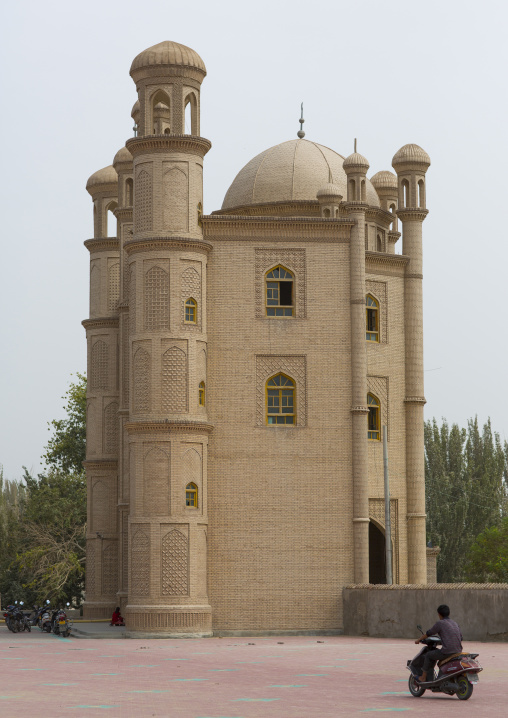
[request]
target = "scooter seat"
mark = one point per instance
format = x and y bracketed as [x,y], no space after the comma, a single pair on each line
[450,658]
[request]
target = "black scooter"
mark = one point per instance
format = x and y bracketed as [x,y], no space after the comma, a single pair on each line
[455,675]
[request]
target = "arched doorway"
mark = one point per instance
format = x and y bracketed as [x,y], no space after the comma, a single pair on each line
[377,569]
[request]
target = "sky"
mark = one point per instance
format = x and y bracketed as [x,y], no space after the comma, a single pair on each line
[388,73]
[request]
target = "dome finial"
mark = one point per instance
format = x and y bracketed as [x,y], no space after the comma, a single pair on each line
[301,133]
[355,144]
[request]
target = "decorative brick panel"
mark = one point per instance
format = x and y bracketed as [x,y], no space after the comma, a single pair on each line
[140,564]
[174,381]
[95,288]
[113,286]
[156,299]
[132,298]
[111,428]
[100,366]
[175,564]
[110,569]
[143,201]
[296,368]
[142,382]
[90,568]
[292,259]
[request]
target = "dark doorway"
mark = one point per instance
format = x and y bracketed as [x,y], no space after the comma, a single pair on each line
[377,570]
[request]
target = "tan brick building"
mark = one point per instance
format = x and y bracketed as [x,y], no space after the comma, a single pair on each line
[241,365]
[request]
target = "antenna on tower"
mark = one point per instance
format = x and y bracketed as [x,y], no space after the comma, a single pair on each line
[301,133]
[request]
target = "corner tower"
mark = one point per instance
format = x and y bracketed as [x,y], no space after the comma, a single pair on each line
[165,263]
[411,163]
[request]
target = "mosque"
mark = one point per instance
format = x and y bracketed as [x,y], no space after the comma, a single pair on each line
[241,366]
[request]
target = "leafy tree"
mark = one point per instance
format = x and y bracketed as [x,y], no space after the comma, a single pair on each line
[487,561]
[53,547]
[12,495]
[67,447]
[465,476]
[43,521]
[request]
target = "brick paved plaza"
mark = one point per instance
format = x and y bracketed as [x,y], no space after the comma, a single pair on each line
[45,676]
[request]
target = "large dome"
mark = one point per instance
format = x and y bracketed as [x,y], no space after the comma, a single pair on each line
[292,171]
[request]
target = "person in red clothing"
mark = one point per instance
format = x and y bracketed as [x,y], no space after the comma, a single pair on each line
[116,618]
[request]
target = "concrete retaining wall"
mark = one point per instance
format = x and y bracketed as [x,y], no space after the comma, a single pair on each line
[481,610]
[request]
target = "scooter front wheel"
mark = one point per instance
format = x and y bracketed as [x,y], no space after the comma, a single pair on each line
[465,688]
[414,688]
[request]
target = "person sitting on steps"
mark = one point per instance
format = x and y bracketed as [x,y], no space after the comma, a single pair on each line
[116,618]
[451,640]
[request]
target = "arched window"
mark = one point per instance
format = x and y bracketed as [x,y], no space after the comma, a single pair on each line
[111,228]
[374,419]
[371,318]
[279,293]
[421,193]
[405,193]
[379,244]
[394,222]
[201,393]
[191,495]
[351,190]
[280,400]
[191,115]
[161,113]
[191,311]
[363,190]
[129,186]
[200,214]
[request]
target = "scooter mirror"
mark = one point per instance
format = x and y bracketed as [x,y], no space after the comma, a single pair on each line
[420,629]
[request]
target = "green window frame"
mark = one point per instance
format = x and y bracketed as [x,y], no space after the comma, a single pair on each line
[191,311]
[280,401]
[371,318]
[191,495]
[374,418]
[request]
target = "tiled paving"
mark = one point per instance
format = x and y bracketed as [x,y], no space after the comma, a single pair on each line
[44,676]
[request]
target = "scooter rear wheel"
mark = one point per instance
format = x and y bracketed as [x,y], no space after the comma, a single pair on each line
[414,688]
[465,688]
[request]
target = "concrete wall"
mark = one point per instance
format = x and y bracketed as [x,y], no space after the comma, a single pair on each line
[481,610]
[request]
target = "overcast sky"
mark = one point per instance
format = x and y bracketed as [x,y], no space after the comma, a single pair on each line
[388,73]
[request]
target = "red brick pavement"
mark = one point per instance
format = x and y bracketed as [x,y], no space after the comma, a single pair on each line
[44,676]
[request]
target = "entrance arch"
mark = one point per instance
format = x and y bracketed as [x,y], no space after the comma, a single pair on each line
[377,566]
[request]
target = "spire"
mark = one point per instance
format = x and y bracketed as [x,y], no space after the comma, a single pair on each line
[301,133]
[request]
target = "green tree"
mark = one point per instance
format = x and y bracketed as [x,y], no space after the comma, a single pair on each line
[42,554]
[66,449]
[52,555]
[465,477]
[487,561]
[12,496]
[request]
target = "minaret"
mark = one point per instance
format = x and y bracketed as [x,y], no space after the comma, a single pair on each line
[356,167]
[386,185]
[168,428]
[123,213]
[411,164]
[102,401]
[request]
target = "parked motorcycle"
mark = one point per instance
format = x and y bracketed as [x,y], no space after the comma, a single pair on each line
[455,674]
[60,623]
[15,620]
[45,616]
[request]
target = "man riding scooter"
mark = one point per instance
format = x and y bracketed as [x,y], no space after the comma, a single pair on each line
[451,640]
